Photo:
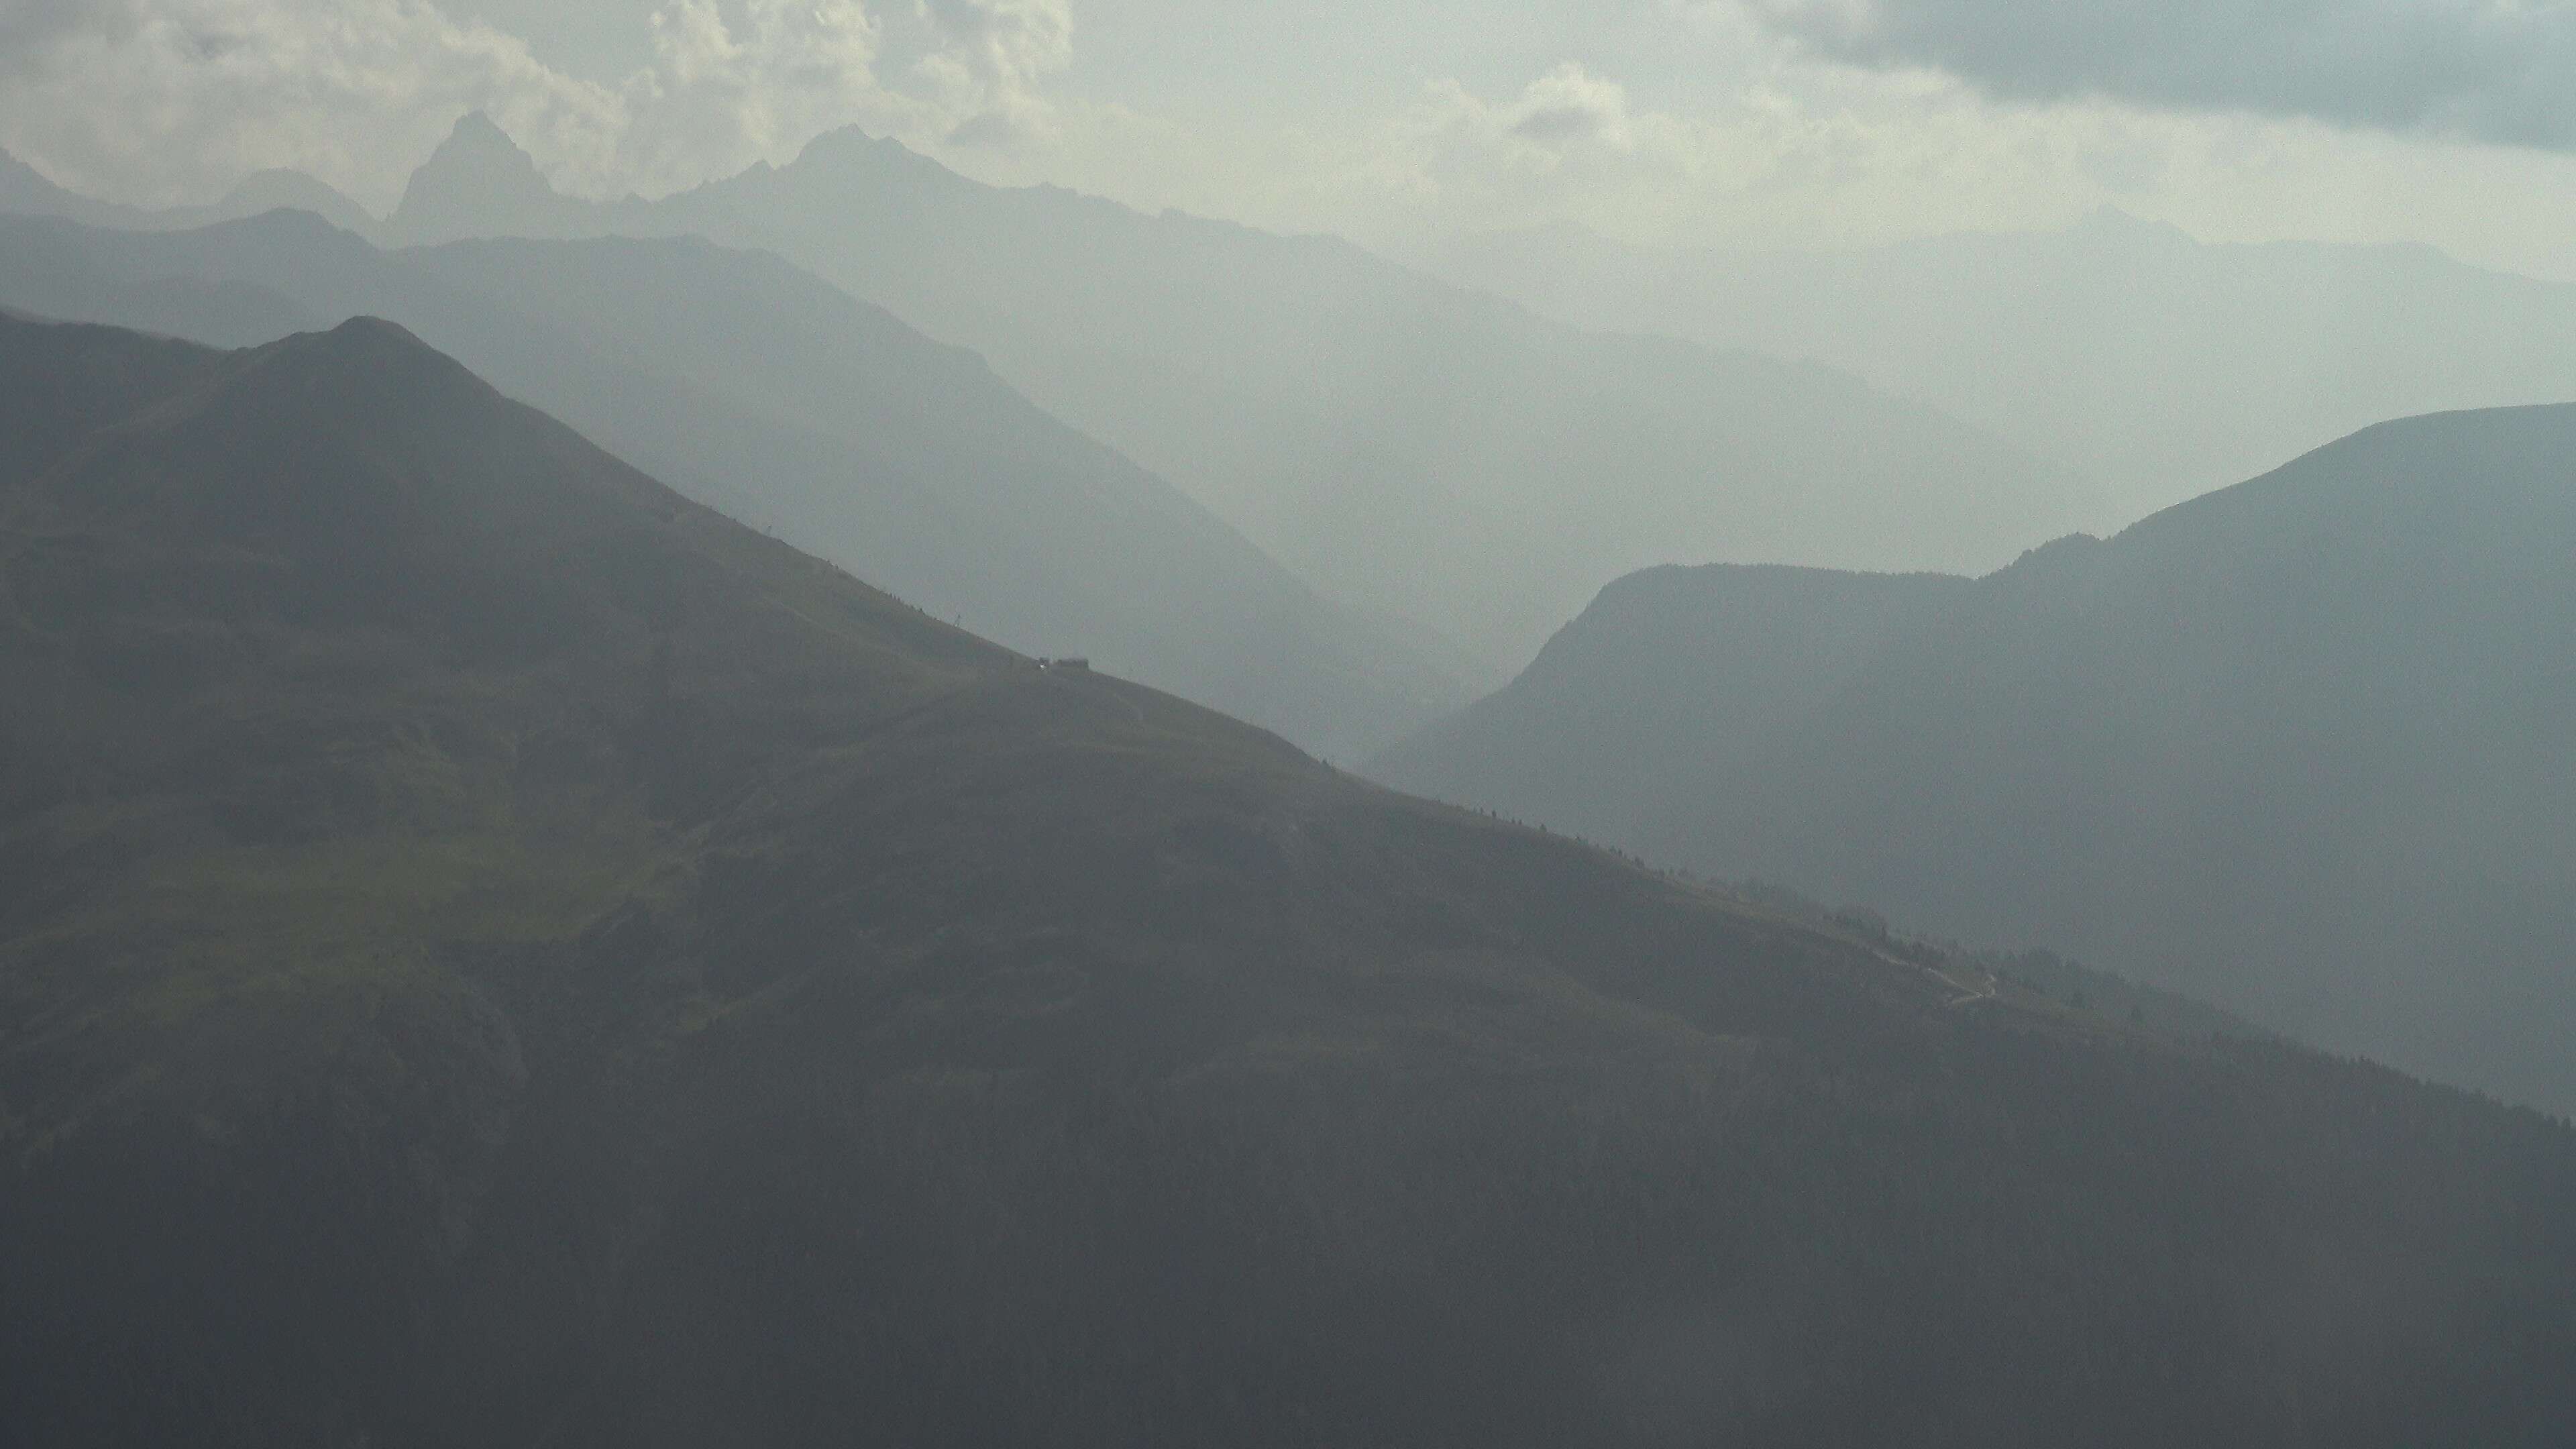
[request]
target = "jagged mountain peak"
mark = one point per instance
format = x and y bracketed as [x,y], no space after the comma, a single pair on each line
[478,140]
[481,182]
[854,149]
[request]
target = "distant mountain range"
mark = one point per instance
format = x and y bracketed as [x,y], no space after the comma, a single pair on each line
[26,192]
[1414,450]
[2298,747]
[779,399]
[2159,366]
[494,952]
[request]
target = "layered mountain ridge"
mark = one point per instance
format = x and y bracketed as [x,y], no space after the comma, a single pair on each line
[24,191]
[780,400]
[1414,450]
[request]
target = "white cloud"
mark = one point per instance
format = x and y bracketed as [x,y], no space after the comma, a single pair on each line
[719,97]
[1711,126]
[991,63]
[1573,144]
[166,100]
[1768,145]
[1570,105]
[155,98]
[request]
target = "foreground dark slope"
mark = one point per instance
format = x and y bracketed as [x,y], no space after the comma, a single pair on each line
[492,953]
[778,399]
[2299,747]
[1410,448]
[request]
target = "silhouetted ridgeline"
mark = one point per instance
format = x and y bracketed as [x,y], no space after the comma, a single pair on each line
[493,952]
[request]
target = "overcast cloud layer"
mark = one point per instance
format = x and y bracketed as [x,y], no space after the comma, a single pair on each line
[1696,122]
[2495,70]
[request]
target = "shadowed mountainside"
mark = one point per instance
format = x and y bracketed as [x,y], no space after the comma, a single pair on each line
[2298,747]
[493,952]
[1659,691]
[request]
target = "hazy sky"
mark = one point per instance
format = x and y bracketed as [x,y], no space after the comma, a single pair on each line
[1681,121]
